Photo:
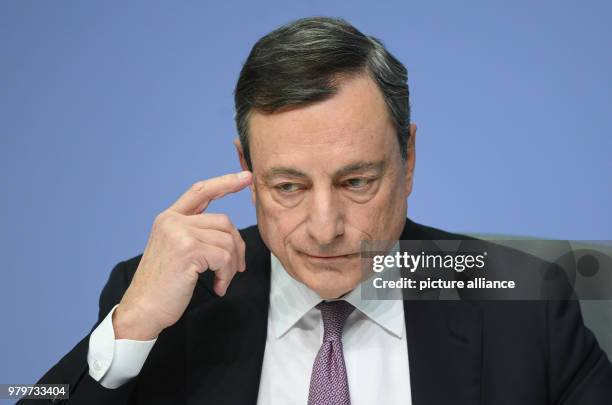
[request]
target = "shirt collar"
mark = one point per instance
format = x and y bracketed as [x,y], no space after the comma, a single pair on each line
[290,300]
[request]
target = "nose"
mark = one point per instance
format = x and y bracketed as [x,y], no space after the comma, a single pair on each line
[325,218]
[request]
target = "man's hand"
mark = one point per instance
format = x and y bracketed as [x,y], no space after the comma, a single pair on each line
[183,243]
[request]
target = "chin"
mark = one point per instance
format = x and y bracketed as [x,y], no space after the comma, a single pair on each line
[330,278]
[330,283]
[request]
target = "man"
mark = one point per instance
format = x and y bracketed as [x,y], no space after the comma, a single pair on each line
[272,314]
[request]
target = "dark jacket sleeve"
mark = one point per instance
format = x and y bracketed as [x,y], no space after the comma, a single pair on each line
[73,369]
[579,371]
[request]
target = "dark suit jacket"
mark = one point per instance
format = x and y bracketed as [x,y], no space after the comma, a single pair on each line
[460,352]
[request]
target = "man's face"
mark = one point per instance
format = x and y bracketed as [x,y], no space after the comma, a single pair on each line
[327,176]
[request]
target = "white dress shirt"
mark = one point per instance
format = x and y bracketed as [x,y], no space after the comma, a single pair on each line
[374,340]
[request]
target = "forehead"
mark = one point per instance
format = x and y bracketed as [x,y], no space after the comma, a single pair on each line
[351,124]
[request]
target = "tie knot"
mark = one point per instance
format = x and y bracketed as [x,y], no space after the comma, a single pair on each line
[334,314]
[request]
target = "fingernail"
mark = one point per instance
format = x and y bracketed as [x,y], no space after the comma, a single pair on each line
[219,288]
[243,175]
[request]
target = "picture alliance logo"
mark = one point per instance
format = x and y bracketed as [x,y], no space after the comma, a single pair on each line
[412,262]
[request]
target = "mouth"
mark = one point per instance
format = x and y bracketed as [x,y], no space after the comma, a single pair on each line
[329,258]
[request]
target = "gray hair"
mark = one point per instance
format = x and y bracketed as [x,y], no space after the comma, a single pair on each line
[301,63]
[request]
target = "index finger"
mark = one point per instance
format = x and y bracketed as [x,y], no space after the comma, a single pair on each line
[200,194]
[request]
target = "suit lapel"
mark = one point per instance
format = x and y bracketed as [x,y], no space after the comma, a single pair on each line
[444,343]
[226,337]
[444,352]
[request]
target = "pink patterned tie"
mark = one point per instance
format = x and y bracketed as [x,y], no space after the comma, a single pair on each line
[328,382]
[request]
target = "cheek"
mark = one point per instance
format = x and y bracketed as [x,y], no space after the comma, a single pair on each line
[380,218]
[276,221]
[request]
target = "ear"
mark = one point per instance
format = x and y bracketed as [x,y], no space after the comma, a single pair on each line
[410,160]
[244,165]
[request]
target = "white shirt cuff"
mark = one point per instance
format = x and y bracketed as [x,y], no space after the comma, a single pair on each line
[113,362]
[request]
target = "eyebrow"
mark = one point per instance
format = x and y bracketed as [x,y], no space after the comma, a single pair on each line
[356,167]
[360,167]
[283,171]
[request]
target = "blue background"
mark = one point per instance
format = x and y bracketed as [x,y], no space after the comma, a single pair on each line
[109,110]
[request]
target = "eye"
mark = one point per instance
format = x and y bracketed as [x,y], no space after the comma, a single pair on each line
[357,183]
[288,188]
